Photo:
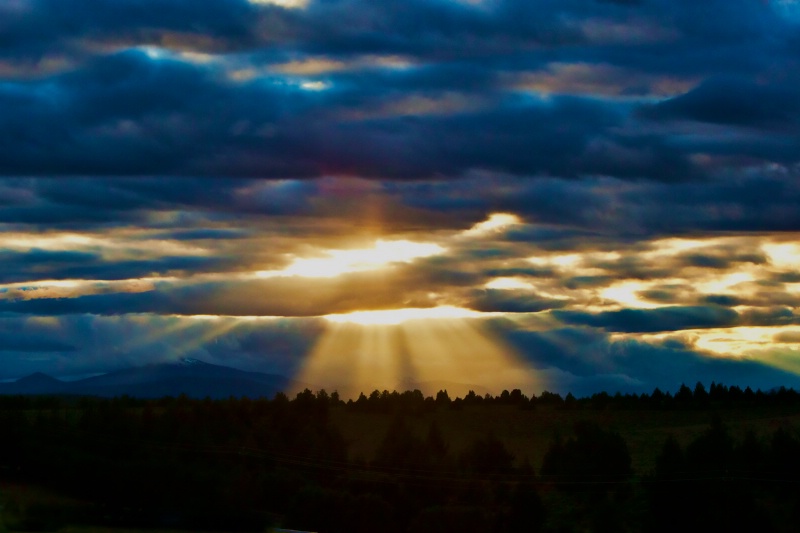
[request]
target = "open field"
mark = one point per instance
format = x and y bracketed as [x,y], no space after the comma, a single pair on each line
[527,434]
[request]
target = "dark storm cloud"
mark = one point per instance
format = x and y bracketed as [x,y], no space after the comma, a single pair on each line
[653,320]
[16,343]
[623,2]
[131,114]
[35,264]
[34,27]
[708,260]
[569,214]
[355,25]
[130,102]
[125,114]
[736,102]
[678,318]
[765,202]
[504,301]
[724,300]
[776,315]
[225,137]
[672,296]
[87,203]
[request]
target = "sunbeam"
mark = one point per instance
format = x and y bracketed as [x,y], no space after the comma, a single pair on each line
[364,354]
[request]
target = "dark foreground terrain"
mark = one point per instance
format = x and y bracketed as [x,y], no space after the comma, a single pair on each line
[718,459]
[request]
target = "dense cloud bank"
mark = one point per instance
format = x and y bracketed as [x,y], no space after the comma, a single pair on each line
[214,179]
[669,91]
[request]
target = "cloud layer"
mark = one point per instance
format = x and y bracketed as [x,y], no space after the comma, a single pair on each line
[166,166]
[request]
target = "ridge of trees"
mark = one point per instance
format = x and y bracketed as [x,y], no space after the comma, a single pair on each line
[698,397]
[718,395]
[242,464]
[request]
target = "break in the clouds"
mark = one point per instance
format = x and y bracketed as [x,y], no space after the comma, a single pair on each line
[595,194]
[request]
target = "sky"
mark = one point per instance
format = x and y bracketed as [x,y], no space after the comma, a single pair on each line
[550,195]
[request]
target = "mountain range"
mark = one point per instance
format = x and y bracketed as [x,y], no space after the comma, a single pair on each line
[195,378]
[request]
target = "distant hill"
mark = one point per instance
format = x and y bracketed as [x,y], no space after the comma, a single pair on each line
[192,377]
[37,383]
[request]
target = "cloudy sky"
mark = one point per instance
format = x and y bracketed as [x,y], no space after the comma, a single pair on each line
[553,194]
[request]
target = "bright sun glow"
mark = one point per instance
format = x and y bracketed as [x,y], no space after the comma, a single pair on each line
[390,317]
[567,261]
[626,294]
[338,262]
[495,222]
[391,350]
[725,283]
[508,284]
[784,255]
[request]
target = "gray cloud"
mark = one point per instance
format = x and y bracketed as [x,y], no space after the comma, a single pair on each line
[200,142]
[653,320]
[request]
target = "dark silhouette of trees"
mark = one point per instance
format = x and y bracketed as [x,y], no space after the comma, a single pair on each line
[401,449]
[244,464]
[592,468]
[711,484]
[487,456]
[593,454]
[526,510]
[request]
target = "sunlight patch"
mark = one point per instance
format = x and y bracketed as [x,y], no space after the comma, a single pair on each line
[495,222]
[626,294]
[314,85]
[338,262]
[508,284]
[446,353]
[287,4]
[783,255]
[733,343]
[390,317]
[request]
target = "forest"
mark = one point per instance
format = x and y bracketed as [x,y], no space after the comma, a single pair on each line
[721,458]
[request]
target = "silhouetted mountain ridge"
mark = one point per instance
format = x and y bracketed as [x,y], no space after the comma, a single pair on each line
[195,378]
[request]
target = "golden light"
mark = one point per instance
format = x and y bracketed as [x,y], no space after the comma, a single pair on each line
[508,284]
[672,246]
[429,349]
[287,4]
[785,255]
[749,343]
[626,294]
[118,246]
[753,342]
[186,333]
[392,317]
[73,288]
[724,283]
[338,262]
[495,222]
[565,261]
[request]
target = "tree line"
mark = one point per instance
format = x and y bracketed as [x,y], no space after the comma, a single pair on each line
[716,396]
[242,464]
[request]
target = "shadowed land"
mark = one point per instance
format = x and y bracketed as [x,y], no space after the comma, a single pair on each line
[403,462]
